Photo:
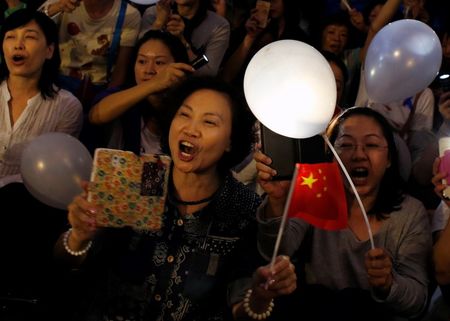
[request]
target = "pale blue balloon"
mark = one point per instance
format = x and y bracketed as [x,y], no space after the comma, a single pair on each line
[403,58]
[52,167]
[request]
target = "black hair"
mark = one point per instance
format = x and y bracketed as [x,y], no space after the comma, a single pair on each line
[391,189]
[50,69]
[331,57]
[242,132]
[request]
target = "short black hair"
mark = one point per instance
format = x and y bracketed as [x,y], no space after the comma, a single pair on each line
[391,190]
[338,19]
[50,69]
[242,127]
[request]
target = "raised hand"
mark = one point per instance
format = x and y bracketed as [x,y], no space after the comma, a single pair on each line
[82,219]
[169,76]
[276,190]
[176,26]
[162,13]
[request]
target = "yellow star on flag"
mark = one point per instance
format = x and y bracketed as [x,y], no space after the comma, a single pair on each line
[309,180]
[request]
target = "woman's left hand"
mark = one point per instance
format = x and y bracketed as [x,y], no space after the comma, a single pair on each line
[379,270]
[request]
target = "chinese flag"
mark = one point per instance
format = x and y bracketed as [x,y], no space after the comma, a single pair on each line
[318,196]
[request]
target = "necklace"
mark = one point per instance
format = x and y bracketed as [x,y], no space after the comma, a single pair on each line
[177,201]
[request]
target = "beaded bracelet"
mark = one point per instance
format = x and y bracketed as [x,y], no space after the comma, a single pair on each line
[251,313]
[69,250]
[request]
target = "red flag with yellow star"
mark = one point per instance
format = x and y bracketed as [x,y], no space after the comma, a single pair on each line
[319,196]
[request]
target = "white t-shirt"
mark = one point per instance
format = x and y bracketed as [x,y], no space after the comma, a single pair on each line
[62,113]
[84,42]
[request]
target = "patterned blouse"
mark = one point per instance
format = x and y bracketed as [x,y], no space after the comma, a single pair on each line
[180,272]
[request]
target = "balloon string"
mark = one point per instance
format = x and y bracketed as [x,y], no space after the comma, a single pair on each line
[363,210]
[406,12]
[284,218]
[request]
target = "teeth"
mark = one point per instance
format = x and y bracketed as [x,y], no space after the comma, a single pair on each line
[187,144]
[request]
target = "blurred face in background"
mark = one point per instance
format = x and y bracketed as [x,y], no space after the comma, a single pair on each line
[334,38]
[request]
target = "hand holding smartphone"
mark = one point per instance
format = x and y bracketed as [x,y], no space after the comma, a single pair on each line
[284,152]
[444,154]
[199,62]
[263,9]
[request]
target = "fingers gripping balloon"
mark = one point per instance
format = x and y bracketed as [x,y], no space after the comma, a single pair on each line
[291,89]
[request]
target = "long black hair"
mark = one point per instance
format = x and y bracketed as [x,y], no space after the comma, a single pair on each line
[391,190]
[50,69]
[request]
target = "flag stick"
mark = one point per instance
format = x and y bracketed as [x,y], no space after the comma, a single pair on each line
[284,217]
[345,2]
[363,210]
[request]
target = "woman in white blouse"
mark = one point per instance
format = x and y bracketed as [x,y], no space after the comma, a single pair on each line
[30,103]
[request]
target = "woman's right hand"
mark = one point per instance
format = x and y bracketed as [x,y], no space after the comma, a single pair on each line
[252,24]
[67,5]
[162,13]
[276,190]
[82,219]
[170,76]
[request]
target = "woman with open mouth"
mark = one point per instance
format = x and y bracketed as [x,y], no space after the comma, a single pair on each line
[346,279]
[31,103]
[208,237]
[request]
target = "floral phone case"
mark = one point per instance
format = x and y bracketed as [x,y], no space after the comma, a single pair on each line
[130,189]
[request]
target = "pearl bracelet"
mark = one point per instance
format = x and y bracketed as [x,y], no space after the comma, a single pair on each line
[69,250]
[251,313]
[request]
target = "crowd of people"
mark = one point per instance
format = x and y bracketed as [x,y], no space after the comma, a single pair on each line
[119,75]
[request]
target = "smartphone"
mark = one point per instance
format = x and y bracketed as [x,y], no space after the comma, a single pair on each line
[263,9]
[444,154]
[199,62]
[284,152]
[444,82]
[174,7]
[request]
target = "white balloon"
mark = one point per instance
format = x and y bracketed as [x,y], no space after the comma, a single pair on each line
[291,89]
[52,167]
[145,2]
[402,59]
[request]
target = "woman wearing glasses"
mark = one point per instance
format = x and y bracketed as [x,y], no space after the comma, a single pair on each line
[387,282]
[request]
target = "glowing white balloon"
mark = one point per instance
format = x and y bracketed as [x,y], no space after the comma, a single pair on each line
[402,59]
[291,89]
[144,2]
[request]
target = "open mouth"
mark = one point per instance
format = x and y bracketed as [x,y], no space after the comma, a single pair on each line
[359,173]
[18,58]
[187,148]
